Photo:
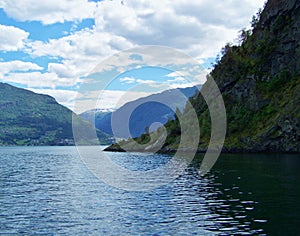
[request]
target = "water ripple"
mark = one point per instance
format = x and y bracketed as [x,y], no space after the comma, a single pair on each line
[49,191]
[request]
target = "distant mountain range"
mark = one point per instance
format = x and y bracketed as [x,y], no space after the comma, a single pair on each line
[27,118]
[143,113]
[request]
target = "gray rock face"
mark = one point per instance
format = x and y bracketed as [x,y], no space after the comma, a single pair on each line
[278,36]
[282,19]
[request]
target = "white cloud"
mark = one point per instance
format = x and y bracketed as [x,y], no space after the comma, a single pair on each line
[12,38]
[182,85]
[64,97]
[177,79]
[200,28]
[127,80]
[39,80]
[80,52]
[153,56]
[229,13]
[149,82]
[14,66]
[49,11]
[178,74]
[62,70]
[106,99]
[30,75]
[159,86]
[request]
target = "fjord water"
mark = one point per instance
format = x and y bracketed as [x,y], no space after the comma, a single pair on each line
[48,190]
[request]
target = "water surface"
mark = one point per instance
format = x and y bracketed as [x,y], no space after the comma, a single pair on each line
[48,190]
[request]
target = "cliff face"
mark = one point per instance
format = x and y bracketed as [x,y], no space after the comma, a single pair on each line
[279,25]
[260,83]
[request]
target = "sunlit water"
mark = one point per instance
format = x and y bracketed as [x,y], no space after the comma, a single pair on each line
[49,191]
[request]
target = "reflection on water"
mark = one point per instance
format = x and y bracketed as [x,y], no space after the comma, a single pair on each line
[47,190]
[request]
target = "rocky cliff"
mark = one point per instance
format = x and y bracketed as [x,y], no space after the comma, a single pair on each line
[260,82]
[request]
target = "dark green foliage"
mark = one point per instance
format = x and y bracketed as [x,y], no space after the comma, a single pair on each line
[27,118]
[256,19]
[144,139]
[269,87]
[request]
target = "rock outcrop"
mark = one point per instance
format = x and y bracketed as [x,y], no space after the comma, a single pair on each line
[261,85]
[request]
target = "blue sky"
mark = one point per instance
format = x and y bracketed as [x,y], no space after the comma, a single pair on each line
[52,46]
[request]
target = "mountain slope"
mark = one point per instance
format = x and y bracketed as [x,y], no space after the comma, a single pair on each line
[96,115]
[260,84]
[144,112]
[28,118]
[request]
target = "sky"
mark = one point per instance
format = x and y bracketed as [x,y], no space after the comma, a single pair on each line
[80,51]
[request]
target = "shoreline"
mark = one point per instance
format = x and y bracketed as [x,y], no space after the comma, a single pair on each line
[171,150]
[201,150]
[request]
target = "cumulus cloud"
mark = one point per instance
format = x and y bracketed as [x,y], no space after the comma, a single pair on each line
[84,43]
[62,70]
[17,65]
[227,13]
[49,12]
[12,38]
[80,52]
[200,28]
[78,55]
[39,80]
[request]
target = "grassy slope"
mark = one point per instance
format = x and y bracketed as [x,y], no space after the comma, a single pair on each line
[28,118]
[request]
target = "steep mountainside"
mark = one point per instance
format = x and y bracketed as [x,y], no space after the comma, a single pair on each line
[260,84]
[144,112]
[27,118]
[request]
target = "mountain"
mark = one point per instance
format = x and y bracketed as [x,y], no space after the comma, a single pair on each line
[98,117]
[260,84]
[143,112]
[28,118]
